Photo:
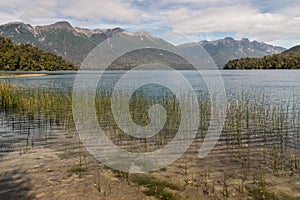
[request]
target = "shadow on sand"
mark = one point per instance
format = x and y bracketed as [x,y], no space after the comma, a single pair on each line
[14,186]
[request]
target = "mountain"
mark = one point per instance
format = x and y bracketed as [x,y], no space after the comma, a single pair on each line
[73,44]
[148,51]
[289,59]
[224,50]
[295,49]
[25,57]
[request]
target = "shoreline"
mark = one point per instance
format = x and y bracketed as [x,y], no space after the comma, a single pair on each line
[20,75]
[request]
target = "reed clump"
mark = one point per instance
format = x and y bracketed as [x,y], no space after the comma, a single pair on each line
[261,138]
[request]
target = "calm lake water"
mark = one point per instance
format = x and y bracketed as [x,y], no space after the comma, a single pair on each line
[253,148]
[276,86]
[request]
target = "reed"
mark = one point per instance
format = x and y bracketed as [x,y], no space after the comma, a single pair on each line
[255,132]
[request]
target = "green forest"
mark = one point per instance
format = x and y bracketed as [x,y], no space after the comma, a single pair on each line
[286,60]
[25,57]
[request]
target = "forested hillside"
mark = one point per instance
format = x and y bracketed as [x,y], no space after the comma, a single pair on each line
[25,57]
[286,60]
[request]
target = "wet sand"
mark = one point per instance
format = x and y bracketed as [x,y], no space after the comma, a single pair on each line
[63,169]
[60,170]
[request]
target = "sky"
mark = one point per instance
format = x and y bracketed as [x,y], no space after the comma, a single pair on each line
[275,22]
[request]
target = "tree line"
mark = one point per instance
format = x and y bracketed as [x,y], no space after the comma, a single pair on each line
[286,60]
[25,57]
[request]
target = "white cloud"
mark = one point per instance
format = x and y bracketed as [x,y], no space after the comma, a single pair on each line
[243,20]
[27,11]
[291,10]
[101,9]
[39,11]
[269,20]
[202,3]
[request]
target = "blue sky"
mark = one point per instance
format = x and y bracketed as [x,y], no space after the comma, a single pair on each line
[273,21]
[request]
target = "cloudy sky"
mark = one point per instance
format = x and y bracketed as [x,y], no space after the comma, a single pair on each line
[272,21]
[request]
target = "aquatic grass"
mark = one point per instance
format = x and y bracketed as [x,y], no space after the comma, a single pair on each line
[156,187]
[77,169]
[258,194]
[246,122]
[255,132]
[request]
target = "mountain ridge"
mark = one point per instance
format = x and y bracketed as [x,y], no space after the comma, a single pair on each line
[60,38]
[75,43]
[295,49]
[224,50]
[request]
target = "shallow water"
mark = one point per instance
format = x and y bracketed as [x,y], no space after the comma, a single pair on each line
[276,85]
[241,150]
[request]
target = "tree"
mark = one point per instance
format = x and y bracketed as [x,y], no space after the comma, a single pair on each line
[26,57]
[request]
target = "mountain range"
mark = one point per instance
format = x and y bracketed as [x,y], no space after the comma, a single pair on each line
[224,50]
[74,43]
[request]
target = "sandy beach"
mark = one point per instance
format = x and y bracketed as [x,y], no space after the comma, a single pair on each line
[20,75]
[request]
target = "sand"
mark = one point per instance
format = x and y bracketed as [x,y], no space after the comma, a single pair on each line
[20,75]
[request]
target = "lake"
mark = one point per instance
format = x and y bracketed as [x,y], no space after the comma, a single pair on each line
[274,85]
[256,154]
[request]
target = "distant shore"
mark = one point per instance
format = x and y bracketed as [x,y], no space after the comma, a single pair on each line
[20,75]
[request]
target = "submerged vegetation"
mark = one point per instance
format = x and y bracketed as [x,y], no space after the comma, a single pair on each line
[25,57]
[258,147]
